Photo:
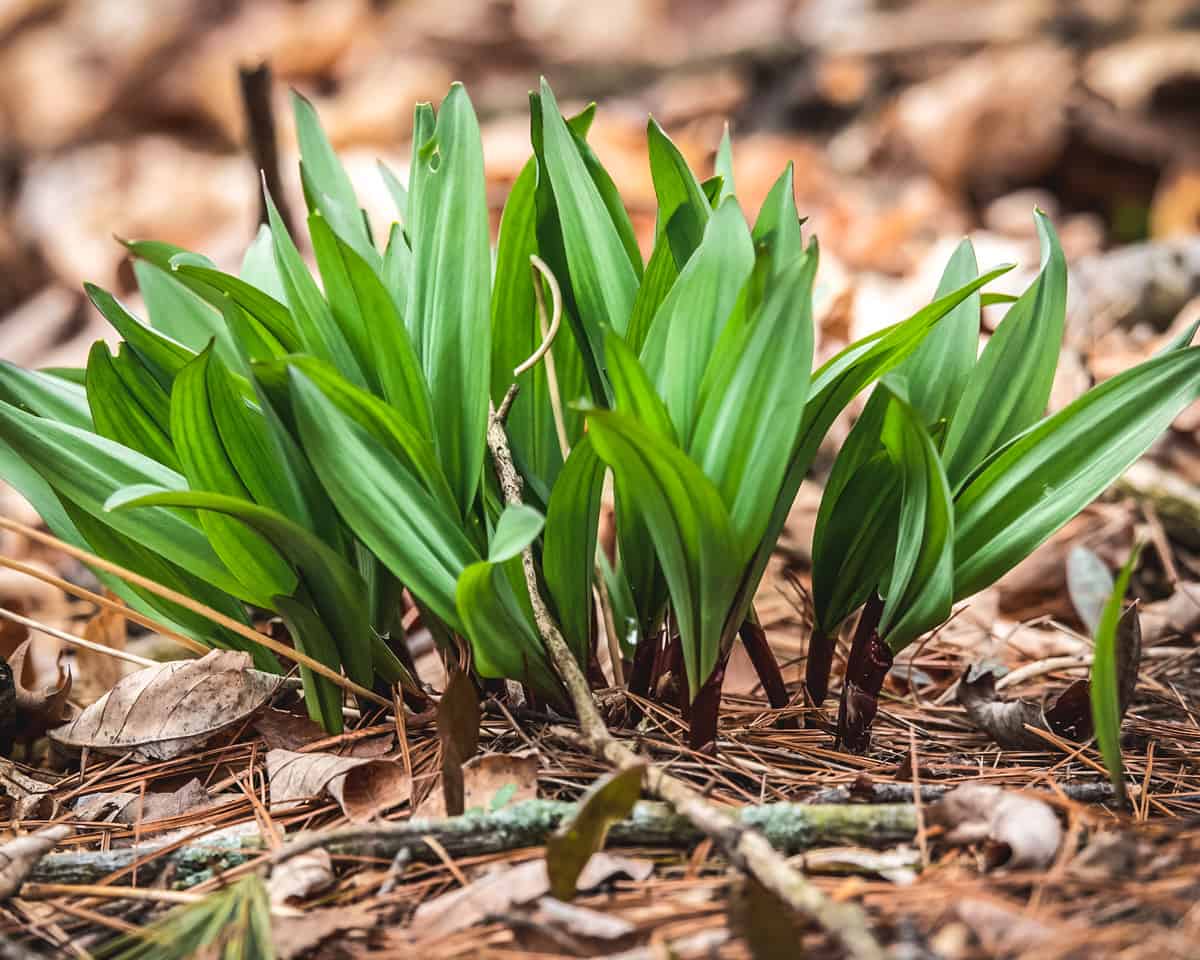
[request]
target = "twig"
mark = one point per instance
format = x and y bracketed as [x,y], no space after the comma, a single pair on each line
[549,332]
[747,848]
[76,641]
[255,85]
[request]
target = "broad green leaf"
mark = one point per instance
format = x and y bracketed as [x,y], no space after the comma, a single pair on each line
[140,382]
[448,302]
[207,466]
[633,391]
[688,525]
[374,328]
[661,274]
[919,590]
[87,469]
[691,318]
[570,847]
[724,165]
[333,192]
[180,313]
[383,422]
[1106,681]
[117,414]
[778,223]
[396,188]
[1028,489]
[336,589]
[936,373]
[385,505]
[504,640]
[45,395]
[519,525]
[603,279]
[752,402]
[1009,387]
[163,356]
[680,197]
[322,696]
[319,333]
[396,272]
[258,265]
[569,546]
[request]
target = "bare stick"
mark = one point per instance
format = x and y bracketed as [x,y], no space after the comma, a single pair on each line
[255,84]
[745,847]
[76,641]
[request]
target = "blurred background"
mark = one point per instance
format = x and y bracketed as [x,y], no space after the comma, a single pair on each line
[910,122]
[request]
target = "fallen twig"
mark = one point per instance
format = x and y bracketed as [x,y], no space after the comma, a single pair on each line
[745,846]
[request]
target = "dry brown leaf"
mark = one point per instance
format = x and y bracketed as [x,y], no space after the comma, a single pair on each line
[458,732]
[97,673]
[490,782]
[296,936]
[581,921]
[363,788]
[131,808]
[507,887]
[1018,830]
[18,857]
[38,708]
[287,731]
[1003,928]
[166,710]
[300,877]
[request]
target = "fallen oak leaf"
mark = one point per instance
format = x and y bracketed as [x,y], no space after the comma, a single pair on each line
[363,788]
[572,845]
[490,782]
[164,711]
[1018,830]
[38,709]
[18,857]
[131,808]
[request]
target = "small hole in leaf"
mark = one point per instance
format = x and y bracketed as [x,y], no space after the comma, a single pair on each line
[435,160]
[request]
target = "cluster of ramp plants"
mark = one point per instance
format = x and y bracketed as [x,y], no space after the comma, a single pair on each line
[315,445]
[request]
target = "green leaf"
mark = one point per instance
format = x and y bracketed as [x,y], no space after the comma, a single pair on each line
[448,303]
[374,328]
[690,320]
[519,525]
[1028,489]
[688,525]
[661,274]
[570,847]
[724,166]
[322,696]
[336,589]
[258,265]
[936,373]
[161,355]
[179,313]
[87,469]
[569,546]
[919,591]
[504,640]
[1106,681]
[602,276]
[778,223]
[1010,385]
[332,190]
[117,413]
[206,464]
[385,505]
[140,382]
[396,272]
[752,402]
[680,196]
[45,395]
[397,189]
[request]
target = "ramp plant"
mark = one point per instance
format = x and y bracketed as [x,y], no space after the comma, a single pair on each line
[314,445]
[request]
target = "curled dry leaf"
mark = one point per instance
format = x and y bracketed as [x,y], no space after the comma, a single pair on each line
[363,788]
[502,889]
[458,732]
[166,710]
[300,877]
[97,673]
[1069,715]
[19,856]
[297,936]
[38,707]
[1018,830]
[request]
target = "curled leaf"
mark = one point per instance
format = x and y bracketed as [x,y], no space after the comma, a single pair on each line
[363,787]
[38,707]
[18,857]
[1018,830]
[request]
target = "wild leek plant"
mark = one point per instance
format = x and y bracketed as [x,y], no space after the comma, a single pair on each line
[951,476]
[317,448]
